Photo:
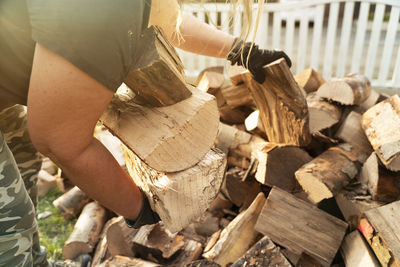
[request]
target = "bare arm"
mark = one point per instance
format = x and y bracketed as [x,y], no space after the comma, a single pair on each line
[64,105]
[201,38]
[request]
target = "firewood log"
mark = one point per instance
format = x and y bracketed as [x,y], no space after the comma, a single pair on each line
[277,164]
[49,166]
[235,74]
[282,105]
[157,77]
[190,252]
[300,226]
[327,174]
[369,102]
[381,124]
[309,80]
[191,190]
[71,203]
[349,90]
[46,181]
[101,253]
[238,236]
[231,116]
[86,231]
[119,261]
[254,124]
[237,95]
[170,138]
[323,114]
[119,237]
[381,229]
[211,80]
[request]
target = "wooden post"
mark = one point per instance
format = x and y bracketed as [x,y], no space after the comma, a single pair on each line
[381,124]
[170,138]
[282,105]
[300,226]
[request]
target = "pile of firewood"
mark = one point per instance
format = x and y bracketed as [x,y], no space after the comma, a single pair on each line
[297,172]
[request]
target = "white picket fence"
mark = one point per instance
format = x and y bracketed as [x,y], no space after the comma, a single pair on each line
[335,37]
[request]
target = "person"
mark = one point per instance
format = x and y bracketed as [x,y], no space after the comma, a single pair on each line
[61,62]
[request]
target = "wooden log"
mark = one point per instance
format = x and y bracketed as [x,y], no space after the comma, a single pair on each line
[157,78]
[282,105]
[263,253]
[381,124]
[382,184]
[349,90]
[232,116]
[351,132]
[254,124]
[101,253]
[327,174]
[238,236]
[356,252]
[119,237]
[190,252]
[86,231]
[49,166]
[237,95]
[300,226]
[382,231]
[169,138]
[153,242]
[369,102]
[71,203]
[203,263]
[118,261]
[235,74]
[191,190]
[277,164]
[323,114]
[46,181]
[309,80]
[113,144]
[211,80]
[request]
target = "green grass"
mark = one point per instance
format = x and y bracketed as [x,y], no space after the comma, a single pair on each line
[53,230]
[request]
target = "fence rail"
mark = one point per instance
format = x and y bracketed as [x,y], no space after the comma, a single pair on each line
[335,37]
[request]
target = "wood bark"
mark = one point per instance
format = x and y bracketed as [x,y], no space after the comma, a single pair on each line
[381,124]
[101,253]
[191,190]
[119,261]
[119,237]
[323,114]
[383,185]
[282,105]
[327,174]
[71,203]
[356,252]
[263,253]
[351,132]
[384,238]
[309,80]
[254,124]
[349,90]
[238,236]
[157,78]
[237,95]
[277,164]
[86,231]
[170,138]
[300,226]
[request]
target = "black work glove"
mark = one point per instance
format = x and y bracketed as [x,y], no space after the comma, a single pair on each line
[146,215]
[255,59]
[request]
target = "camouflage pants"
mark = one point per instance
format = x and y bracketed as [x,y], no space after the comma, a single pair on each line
[19,166]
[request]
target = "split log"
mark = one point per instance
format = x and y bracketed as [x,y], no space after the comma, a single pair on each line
[211,80]
[86,231]
[349,90]
[381,228]
[154,242]
[46,181]
[327,174]
[101,253]
[383,185]
[49,166]
[71,203]
[119,237]
[356,252]
[381,124]
[169,138]
[282,105]
[369,102]
[238,236]
[191,190]
[207,224]
[309,80]
[351,132]
[113,144]
[203,263]
[232,116]
[157,78]
[254,124]
[119,261]
[323,114]
[300,226]
[263,253]
[235,73]
[191,251]
[277,164]
[237,95]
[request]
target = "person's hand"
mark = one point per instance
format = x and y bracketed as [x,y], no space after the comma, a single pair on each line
[254,58]
[146,215]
